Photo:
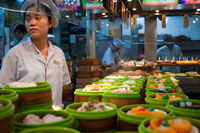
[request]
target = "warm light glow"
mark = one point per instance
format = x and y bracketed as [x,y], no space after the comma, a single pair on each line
[55,107]
[103,13]
[129,0]
[157,11]
[134,9]
[198,9]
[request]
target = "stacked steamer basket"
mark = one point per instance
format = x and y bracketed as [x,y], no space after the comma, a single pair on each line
[88,71]
[131,116]
[43,118]
[185,107]
[160,89]
[32,95]
[94,116]
[89,93]
[10,95]
[170,124]
[125,91]
[51,129]
[6,116]
[68,90]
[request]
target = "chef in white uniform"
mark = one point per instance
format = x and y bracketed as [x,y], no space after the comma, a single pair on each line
[37,59]
[170,51]
[112,54]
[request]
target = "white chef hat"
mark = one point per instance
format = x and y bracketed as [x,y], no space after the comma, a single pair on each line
[54,11]
[118,43]
[15,24]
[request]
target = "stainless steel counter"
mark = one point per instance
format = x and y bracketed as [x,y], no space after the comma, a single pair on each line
[190,86]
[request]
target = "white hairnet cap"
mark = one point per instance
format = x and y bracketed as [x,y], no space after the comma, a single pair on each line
[47,3]
[118,43]
[15,24]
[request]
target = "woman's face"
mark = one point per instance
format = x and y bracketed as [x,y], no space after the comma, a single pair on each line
[37,24]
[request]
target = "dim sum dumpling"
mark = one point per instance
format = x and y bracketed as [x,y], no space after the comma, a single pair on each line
[1,105]
[32,119]
[51,118]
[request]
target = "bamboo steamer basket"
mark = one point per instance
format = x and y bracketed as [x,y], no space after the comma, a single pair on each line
[82,96]
[50,130]
[122,99]
[6,116]
[87,61]
[68,120]
[94,121]
[130,122]
[150,99]
[11,95]
[178,111]
[151,91]
[38,97]
[143,126]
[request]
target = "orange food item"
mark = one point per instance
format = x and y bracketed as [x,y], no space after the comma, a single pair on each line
[163,80]
[152,86]
[133,110]
[173,126]
[154,123]
[170,97]
[158,96]
[143,113]
[175,98]
[156,71]
[183,127]
[139,112]
[169,130]
[157,113]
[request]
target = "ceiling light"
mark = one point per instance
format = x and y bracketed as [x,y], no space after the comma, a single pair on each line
[103,13]
[198,10]
[134,9]
[67,16]
[115,0]
[157,11]
[129,0]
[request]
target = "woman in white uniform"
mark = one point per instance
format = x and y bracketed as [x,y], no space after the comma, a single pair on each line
[37,59]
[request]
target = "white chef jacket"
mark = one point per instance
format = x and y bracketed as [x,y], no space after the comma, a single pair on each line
[25,63]
[164,52]
[110,57]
